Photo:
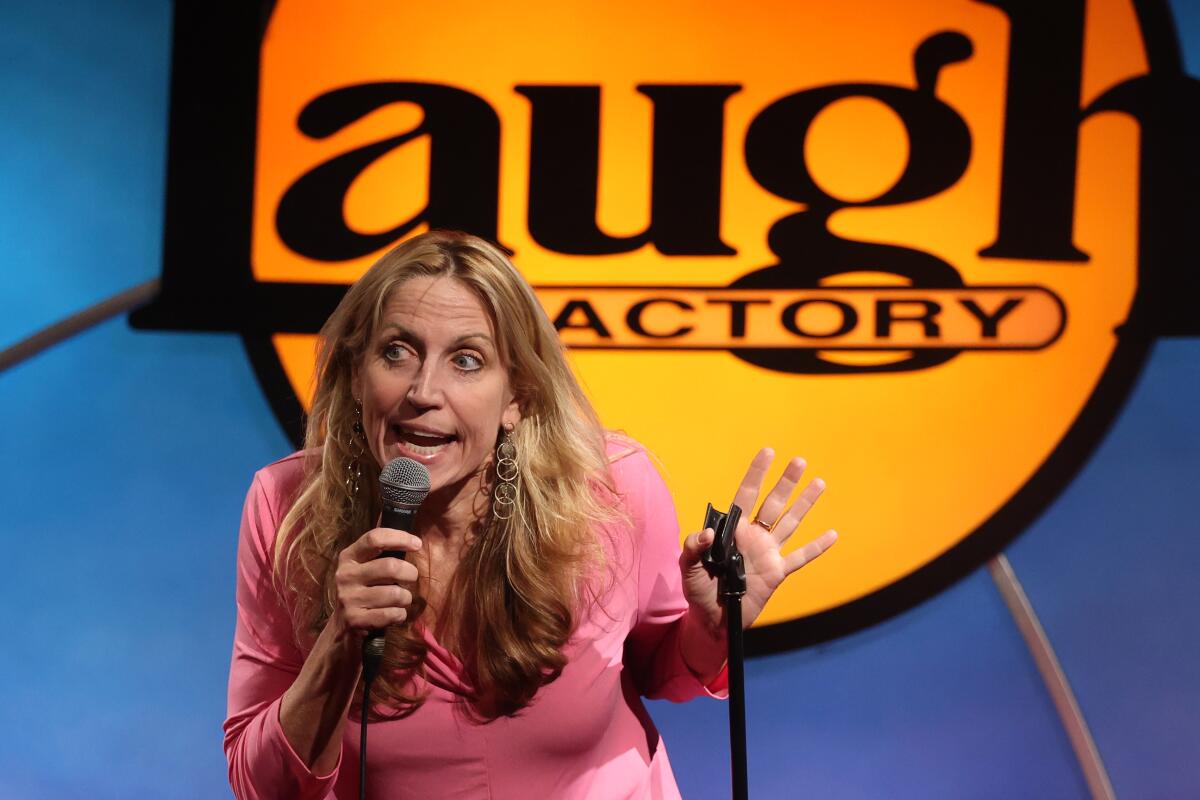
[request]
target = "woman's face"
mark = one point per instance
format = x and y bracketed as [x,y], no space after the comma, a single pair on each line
[432,384]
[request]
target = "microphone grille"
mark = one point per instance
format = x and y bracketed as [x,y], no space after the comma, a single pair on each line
[404,482]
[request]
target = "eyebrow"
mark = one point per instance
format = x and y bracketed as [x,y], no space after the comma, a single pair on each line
[405,333]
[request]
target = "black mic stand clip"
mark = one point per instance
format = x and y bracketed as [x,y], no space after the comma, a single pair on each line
[723,561]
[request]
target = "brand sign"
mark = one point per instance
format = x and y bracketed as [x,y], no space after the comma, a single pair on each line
[900,239]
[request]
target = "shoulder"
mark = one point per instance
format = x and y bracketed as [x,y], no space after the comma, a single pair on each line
[650,541]
[286,473]
[627,457]
[636,476]
[276,485]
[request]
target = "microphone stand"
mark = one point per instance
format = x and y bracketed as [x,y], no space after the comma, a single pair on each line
[723,561]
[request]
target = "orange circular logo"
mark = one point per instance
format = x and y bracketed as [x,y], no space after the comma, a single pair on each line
[900,239]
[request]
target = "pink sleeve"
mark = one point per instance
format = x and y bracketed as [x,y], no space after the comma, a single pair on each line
[652,650]
[262,763]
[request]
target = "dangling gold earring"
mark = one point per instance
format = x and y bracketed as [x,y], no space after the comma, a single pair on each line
[354,443]
[504,501]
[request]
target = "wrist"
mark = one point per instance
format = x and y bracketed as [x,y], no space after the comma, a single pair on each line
[704,645]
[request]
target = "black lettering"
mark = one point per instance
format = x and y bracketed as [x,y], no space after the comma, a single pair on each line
[463,180]
[1041,131]
[591,320]
[849,318]
[737,314]
[988,323]
[685,192]
[939,152]
[884,317]
[634,318]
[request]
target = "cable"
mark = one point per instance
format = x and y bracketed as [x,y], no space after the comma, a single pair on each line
[372,655]
[362,745]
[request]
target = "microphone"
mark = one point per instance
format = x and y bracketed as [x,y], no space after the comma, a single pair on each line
[403,484]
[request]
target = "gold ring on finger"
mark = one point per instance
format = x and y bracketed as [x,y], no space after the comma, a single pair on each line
[763,525]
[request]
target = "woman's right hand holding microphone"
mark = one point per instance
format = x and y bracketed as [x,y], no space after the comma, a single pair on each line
[372,592]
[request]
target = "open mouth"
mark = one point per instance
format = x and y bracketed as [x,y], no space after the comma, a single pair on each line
[421,443]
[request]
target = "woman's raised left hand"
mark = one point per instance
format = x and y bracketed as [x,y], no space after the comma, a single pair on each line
[761,536]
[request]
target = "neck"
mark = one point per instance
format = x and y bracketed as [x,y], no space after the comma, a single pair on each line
[449,515]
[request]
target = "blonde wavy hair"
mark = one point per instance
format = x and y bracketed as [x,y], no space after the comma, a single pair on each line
[517,591]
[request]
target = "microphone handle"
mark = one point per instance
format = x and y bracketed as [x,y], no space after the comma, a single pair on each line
[399,518]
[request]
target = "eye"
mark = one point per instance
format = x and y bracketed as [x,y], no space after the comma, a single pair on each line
[467,362]
[394,352]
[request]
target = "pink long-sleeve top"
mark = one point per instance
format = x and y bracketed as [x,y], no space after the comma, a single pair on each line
[586,734]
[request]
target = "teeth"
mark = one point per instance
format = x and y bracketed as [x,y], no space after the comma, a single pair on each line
[424,451]
[423,444]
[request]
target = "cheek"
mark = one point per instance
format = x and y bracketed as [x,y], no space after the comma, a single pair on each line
[481,420]
[383,391]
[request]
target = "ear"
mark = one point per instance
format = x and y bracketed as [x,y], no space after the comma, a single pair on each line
[355,383]
[511,414]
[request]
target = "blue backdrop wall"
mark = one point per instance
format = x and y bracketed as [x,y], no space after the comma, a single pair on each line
[126,457]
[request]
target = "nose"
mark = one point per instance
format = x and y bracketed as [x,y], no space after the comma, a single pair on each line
[425,391]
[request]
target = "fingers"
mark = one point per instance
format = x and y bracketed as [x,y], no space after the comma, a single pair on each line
[375,541]
[772,514]
[788,523]
[383,571]
[798,558]
[771,510]
[373,607]
[748,491]
[694,547]
[375,619]
[370,594]
[392,596]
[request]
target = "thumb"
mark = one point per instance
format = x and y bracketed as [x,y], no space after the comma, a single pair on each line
[694,547]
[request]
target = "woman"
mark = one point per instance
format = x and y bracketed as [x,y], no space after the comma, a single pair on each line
[543,589]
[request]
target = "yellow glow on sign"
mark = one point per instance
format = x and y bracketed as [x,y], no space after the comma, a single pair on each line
[914,460]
